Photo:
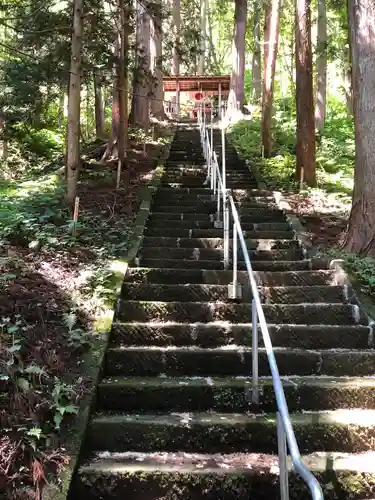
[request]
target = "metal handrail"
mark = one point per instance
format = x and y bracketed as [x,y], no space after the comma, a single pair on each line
[228,210]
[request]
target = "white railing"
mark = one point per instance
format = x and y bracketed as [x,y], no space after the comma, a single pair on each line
[226,215]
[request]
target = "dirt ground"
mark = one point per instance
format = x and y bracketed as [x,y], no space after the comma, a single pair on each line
[323,216]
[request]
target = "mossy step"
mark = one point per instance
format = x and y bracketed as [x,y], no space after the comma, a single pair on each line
[182,191]
[175,476]
[234,361]
[173,232]
[202,254]
[218,243]
[178,176]
[198,219]
[199,207]
[257,265]
[220,277]
[305,313]
[217,334]
[211,432]
[198,183]
[213,293]
[191,225]
[232,394]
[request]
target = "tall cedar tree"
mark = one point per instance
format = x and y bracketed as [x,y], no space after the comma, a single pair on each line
[360,236]
[74,104]
[237,81]
[306,161]
[271,42]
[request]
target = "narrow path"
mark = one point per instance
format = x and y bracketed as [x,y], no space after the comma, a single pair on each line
[173,419]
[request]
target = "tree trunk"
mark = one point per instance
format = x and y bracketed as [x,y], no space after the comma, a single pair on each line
[99,105]
[237,81]
[122,83]
[305,149]
[214,64]
[271,42]
[360,236]
[117,143]
[61,108]
[347,79]
[156,44]
[321,67]
[176,16]
[142,82]
[203,37]
[256,63]
[74,104]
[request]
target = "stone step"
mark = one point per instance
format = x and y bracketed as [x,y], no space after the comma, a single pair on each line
[257,265]
[188,225]
[223,334]
[202,254]
[203,312]
[196,192]
[195,201]
[246,208]
[213,293]
[219,277]
[243,200]
[198,183]
[235,361]
[211,432]
[256,216]
[116,476]
[262,233]
[218,243]
[232,394]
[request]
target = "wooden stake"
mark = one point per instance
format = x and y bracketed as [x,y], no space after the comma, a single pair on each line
[75,215]
[153,133]
[118,179]
[301,179]
[144,147]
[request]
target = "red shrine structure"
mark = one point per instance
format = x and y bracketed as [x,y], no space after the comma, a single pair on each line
[184,94]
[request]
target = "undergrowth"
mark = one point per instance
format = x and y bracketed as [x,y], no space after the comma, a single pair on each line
[335,149]
[335,167]
[45,328]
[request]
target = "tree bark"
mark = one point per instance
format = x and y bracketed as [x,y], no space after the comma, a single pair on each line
[271,42]
[203,37]
[237,81]
[156,44]
[176,16]
[305,148]
[360,236]
[99,105]
[61,109]
[122,84]
[142,82]
[214,64]
[256,63]
[321,67]
[74,104]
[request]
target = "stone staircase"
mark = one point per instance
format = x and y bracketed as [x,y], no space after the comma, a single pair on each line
[173,418]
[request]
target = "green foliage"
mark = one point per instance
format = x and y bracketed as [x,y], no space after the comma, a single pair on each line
[362,268]
[335,148]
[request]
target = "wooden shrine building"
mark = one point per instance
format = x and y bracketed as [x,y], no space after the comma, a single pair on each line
[182,93]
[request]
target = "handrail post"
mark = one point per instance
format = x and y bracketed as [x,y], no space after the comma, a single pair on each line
[255,352]
[282,451]
[212,129]
[218,222]
[235,257]
[226,229]
[223,159]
